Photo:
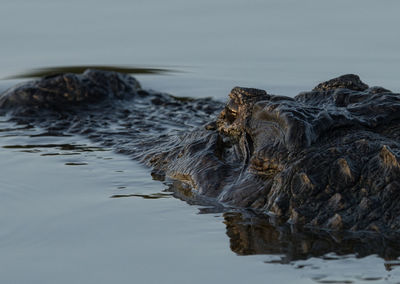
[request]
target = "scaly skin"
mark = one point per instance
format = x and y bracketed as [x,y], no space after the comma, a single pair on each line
[328,158]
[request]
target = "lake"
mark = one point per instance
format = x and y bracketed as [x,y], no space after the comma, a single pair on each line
[61,220]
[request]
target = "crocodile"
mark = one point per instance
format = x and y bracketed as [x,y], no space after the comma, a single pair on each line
[326,158]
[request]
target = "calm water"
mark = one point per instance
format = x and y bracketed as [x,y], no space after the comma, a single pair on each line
[58,221]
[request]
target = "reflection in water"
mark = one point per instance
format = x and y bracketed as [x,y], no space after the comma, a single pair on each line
[76,164]
[62,147]
[48,71]
[157,195]
[57,154]
[252,233]
[392,264]
[57,150]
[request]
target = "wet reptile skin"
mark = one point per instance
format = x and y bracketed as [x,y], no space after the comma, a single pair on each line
[328,158]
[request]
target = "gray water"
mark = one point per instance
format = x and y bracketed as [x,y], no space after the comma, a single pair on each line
[58,221]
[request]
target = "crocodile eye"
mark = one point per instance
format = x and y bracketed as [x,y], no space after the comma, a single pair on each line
[230,115]
[231,111]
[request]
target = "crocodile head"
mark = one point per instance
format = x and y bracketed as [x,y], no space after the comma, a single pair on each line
[327,158]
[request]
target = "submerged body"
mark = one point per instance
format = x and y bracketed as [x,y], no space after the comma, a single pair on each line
[328,158]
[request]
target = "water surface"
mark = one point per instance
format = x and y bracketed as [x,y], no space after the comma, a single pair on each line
[74,212]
